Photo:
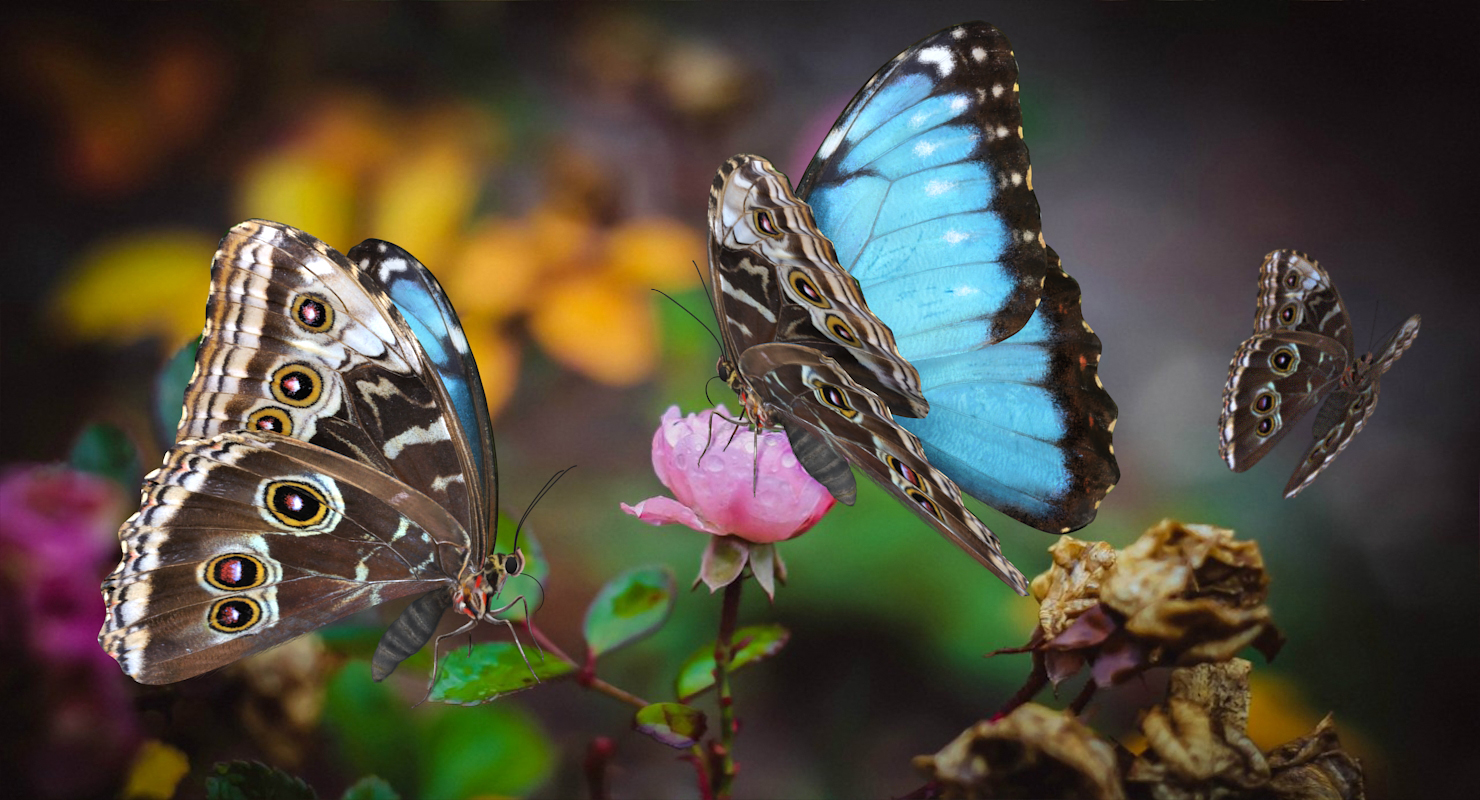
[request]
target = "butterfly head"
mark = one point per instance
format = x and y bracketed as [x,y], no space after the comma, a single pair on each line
[472,597]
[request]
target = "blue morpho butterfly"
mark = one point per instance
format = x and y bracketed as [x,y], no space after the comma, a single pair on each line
[970,364]
[334,453]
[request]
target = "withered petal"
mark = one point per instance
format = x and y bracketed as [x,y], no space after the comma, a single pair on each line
[1032,752]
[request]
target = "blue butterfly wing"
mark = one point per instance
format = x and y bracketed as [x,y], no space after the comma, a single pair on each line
[1025,425]
[425,307]
[925,188]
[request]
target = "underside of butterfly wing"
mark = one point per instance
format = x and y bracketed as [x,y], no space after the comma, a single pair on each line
[248,539]
[1274,379]
[811,395]
[1347,410]
[428,311]
[299,341]
[1296,294]
[776,278]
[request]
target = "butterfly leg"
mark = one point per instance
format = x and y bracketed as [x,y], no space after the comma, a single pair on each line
[436,645]
[491,617]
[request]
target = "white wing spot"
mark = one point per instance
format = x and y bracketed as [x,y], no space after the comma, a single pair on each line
[937,188]
[997,90]
[959,103]
[965,291]
[834,138]
[1002,131]
[942,59]
[958,33]
[924,148]
[919,119]
[955,237]
[978,54]
[1017,179]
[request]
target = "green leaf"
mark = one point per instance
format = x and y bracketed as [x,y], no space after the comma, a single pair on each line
[493,670]
[536,574]
[251,780]
[493,751]
[673,724]
[106,451]
[723,561]
[629,607]
[752,643]
[169,390]
[371,787]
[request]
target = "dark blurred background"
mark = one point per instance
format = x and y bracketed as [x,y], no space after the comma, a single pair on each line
[551,164]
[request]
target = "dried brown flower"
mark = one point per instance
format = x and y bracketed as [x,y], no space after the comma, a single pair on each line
[1179,595]
[1198,747]
[1032,752]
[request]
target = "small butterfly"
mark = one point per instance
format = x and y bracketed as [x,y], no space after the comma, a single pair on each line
[1300,353]
[334,453]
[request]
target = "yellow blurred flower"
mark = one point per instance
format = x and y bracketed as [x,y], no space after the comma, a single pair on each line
[156,772]
[146,284]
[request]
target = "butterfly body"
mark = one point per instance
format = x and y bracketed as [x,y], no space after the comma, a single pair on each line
[322,466]
[1301,355]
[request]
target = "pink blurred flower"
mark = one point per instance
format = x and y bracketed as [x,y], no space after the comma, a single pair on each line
[56,539]
[730,491]
[748,492]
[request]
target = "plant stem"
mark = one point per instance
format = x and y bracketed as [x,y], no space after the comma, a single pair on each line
[1037,679]
[598,759]
[593,682]
[1076,706]
[724,652]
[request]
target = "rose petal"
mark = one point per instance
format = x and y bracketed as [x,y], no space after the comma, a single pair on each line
[667,511]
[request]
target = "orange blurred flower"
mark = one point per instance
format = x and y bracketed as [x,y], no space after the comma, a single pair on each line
[121,115]
[354,167]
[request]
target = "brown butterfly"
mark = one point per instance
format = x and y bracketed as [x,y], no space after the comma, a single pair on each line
[334,453]
[1301,353]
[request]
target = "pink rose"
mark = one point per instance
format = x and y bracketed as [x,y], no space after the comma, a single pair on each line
[730,491]
[748,492]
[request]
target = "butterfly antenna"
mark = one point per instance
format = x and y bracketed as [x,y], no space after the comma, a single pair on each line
[711,333]
[549,484]
[707,398]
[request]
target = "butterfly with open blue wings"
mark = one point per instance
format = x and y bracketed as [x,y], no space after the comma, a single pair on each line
[921,200]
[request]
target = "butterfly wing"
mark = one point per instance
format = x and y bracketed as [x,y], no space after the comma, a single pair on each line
[1275,377]
[775,277]
[925,187]
[1346,411]
[299,341]
[1296,294]
[425,307]
[248,539]
[1025,425]
[816,400]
